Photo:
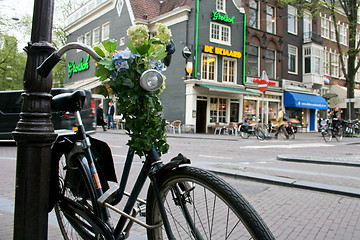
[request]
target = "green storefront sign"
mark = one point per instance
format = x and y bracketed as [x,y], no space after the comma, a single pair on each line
[82,66]
[224,18]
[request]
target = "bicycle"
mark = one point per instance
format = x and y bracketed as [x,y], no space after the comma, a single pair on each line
[183,202]
[245,130]
[328,131]
[290,129]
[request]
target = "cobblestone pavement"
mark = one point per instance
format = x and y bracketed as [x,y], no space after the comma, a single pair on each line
[290,212]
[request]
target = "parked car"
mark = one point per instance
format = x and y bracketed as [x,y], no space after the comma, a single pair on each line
[10,107]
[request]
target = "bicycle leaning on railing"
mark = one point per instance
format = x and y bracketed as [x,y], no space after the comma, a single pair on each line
[183,202]
[328,131]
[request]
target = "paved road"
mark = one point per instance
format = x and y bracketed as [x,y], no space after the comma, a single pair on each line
[290,212]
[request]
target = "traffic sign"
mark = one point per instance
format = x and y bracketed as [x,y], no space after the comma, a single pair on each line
[262,85]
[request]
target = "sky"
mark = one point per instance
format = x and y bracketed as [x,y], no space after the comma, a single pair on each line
[17,8]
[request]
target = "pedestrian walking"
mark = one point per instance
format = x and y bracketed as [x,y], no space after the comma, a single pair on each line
[281,124]
[110,117]
[100,117]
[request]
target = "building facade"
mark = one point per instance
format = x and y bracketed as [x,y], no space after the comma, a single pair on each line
[223,48]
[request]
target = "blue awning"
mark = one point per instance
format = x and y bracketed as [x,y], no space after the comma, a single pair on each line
[301,100]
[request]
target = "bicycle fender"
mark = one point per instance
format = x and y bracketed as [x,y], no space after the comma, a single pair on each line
[174,163]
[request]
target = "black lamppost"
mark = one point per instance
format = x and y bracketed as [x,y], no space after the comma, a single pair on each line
[34,133]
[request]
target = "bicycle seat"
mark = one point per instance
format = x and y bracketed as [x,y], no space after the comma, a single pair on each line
[69,101]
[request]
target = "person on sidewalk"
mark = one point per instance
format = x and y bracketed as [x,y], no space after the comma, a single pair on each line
[100,117]
[110,117]
[281,124]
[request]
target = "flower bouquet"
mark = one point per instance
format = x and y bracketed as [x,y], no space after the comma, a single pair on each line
[141,109]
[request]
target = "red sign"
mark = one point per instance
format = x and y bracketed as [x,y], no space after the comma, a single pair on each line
[262,85]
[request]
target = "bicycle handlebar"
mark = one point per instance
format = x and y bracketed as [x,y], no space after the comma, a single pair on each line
[49,63]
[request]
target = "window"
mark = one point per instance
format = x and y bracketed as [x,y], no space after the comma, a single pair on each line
[122,41]
[326,63]
[105,33]
[208,71]
[270,63]
[292,20]
[229,70]
[343,34]
[80,39]
[332,31]
[220,33]
[96,35]
[218,110]
[325,27]
[312,58]
[307,25]
[254,14]
[334,64]
[88,38]
[220,5]
[253,60]
[270,19]
[292,59]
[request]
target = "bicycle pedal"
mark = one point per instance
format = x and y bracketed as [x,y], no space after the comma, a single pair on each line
[109,195]
[142,209]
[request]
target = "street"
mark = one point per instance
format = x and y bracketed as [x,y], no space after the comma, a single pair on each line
[309,210]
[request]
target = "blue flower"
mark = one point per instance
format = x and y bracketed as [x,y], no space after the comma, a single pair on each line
[127,54]
[158,65]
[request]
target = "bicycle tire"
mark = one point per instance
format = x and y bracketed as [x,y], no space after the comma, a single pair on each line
[292,134]
[339,134]
[244,135]
[217,197]
[74,210]
[259,134]
[327,136]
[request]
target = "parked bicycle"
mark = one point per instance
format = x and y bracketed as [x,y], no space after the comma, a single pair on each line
[183,202]
[328,131]
[350,127]
[245,130]
[290,129]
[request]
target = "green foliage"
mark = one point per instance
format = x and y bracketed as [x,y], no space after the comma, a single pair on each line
[141,109]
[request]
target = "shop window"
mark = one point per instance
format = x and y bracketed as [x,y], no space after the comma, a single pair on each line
[253,60]
[229,70]
[270,63]
[270,19]
[234,111]
[273,108]
[292,59]
[105,31]
[221,5]
[249,110]
[220,33]
[218,110]
[292,19]
[254,14]
[96,36]
[208,71]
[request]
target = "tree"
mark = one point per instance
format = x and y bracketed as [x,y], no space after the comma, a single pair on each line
[336,8]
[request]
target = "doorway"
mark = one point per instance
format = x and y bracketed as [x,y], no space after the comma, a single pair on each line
[201,107]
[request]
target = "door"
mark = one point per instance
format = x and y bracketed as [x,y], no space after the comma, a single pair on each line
[201,107]
[312,120]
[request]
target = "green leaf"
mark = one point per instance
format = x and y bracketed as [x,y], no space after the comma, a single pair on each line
[107,63]
[110,45]
[99,50]
[128,82]
[143,50]
[103,91]
[102,72]
[132,48]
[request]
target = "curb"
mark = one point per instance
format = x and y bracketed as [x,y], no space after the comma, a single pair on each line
[317,161]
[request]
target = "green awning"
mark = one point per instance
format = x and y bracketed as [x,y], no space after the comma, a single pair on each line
[226,89]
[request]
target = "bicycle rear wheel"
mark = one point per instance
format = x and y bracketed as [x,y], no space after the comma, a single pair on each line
[200,205]
[244,135]
[75,209]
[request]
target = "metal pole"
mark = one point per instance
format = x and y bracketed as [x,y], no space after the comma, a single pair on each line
[34,133]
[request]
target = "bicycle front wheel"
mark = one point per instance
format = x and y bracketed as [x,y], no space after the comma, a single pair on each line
[244,135]
[339,134]
[200,205]
[259,134]
[327,135]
